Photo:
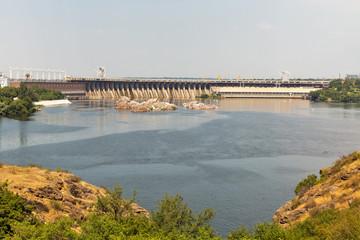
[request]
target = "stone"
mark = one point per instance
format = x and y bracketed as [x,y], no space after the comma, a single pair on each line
[196,105]
[124,103]
[48,192]
[39,206]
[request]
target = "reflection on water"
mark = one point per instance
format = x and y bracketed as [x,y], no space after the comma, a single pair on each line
[264,105]
[243,159]
[23,133]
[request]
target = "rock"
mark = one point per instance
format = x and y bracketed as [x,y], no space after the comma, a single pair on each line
[330,189]
[75,190]
[196,105]
[69,199]
[345,176]
[39,206]
[325,171]
[154,104]
[137,210]
[140,108]
[55,194]
[48,192]
[123,103]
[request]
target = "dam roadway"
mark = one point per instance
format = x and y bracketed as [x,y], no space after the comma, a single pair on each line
[168,89]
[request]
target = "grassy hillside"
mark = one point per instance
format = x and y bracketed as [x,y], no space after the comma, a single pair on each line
[325,208]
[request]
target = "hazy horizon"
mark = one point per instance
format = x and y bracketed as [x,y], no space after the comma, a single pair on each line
[169,38]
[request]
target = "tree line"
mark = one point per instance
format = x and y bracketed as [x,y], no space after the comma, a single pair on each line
[347,91]
[18,102]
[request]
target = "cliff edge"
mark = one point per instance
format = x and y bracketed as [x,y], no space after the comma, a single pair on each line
[56,193]
[338,188]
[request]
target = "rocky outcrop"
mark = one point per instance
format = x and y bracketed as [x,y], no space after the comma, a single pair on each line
[55,194]
[124,103]
[196,105]
[338,188]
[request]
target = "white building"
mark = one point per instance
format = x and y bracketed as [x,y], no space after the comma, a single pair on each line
[4,81]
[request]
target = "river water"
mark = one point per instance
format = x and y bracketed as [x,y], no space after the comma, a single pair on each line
[243,160]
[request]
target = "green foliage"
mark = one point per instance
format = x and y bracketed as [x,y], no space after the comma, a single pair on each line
[61,229]
[172,220]
[268,230]
[263,230]
[56,205]
[114,205]
[12,209]
[107,227]
[47,94]
[339,91]
[59,170]
[240,233]
[305,184]
[18,102]
[174,217]
[211,96]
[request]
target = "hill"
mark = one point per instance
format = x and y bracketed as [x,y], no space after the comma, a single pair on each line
[338,188]
[56,193]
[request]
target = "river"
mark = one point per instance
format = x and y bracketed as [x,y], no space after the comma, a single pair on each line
[243,160]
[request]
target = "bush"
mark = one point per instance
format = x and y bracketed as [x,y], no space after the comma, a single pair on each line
[113,204]
[23,106]
[59,170]
[305,184]
[12,210]
[174,216]
[56,205]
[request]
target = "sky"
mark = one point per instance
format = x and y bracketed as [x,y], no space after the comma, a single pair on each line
[183,38]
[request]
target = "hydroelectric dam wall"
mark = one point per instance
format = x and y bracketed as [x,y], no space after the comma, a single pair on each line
[146,90]
[173,89]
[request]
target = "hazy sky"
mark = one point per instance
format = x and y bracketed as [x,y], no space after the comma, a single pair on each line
[189,38]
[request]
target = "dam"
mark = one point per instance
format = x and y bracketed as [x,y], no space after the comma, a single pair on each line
[177,89]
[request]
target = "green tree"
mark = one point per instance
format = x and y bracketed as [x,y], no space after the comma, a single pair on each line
[305,184]
[174,217]
[12,209]
[113,203]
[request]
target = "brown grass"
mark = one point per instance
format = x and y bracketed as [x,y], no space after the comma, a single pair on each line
[56,205]
[295,203]
[310,204]
[59,170]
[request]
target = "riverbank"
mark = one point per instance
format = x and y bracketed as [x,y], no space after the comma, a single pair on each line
[55,194]
[49,103]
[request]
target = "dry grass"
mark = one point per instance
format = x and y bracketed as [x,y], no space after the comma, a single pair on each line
[13,170]
[56,205]
[295,203]
[59,170]
[310,204]
[36,178]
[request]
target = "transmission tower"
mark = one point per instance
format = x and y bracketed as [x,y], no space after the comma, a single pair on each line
[100,72]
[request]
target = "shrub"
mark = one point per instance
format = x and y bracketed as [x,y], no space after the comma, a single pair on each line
[56,205]
[240,233]
[305,184]
[113,204]
[33,165]
[1,165]
[174,216]
[59,170]
[295,203]
[268,230]
[12,209]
